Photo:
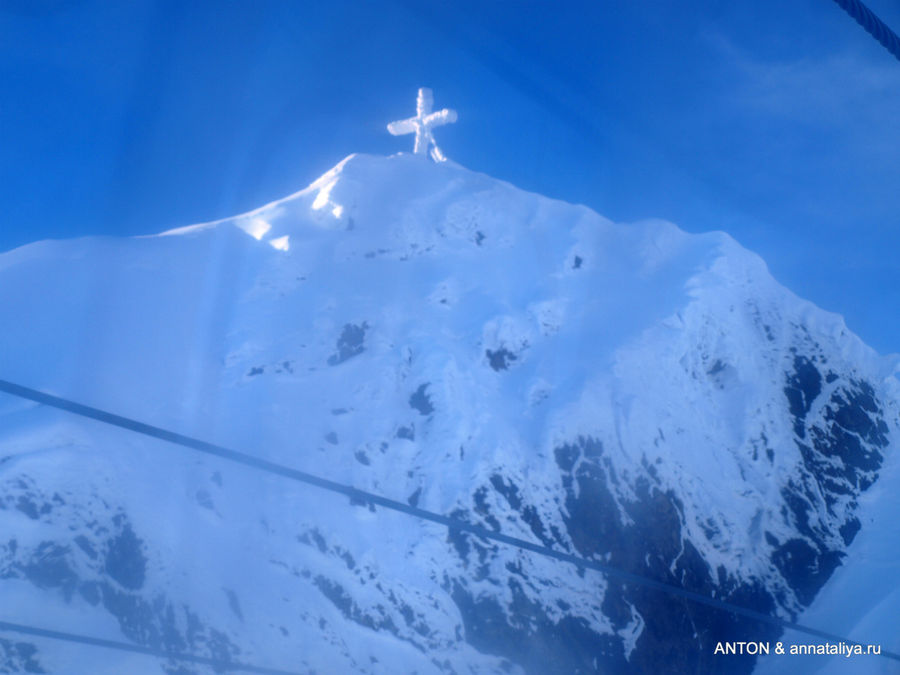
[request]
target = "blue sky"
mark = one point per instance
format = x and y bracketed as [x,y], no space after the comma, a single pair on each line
[776,122]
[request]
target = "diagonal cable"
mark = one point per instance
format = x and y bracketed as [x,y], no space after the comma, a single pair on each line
[218,664]
[874,26]
[453,524]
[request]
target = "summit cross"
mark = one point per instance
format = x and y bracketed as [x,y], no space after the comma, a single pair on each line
[423,123]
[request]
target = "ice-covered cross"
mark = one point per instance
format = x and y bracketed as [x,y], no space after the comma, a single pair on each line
[423,123]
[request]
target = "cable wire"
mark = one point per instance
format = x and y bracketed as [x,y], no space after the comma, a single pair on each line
[874,26]
[217,664]
[365,497]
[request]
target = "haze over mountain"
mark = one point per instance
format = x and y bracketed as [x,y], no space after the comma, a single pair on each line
[624,392]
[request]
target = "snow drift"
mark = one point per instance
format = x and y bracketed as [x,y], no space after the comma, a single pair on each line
[631,393]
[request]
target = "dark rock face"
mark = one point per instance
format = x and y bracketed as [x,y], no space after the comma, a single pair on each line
[840,430]
[112,567]
[841,449]
[803,386]
[350,343]
[839,435]
[534,641]
[678,636]
[125,562]
[421,401]
[392,615]
[499,359]
[19,657]
[48,567]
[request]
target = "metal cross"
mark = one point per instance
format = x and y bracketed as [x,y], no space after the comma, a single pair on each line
[423,123]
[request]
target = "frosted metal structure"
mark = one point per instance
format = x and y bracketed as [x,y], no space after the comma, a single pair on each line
[423,123]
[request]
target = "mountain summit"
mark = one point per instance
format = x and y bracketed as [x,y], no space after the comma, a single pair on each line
[632,394]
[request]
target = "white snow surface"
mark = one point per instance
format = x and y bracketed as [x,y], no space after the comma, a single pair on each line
[301,332]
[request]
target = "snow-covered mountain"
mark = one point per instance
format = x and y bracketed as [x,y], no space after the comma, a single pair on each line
[629,393]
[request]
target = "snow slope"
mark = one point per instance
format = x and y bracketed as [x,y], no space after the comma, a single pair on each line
[630,392]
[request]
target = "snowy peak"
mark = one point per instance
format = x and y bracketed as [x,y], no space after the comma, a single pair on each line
[631,393]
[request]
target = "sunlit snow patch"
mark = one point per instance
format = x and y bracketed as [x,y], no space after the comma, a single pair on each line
[323,201]
[324,196]
[256,228]
[281,243]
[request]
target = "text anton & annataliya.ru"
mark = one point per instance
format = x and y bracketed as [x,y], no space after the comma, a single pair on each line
[824,649]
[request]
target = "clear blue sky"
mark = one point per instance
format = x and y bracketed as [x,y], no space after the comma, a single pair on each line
[776,122]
